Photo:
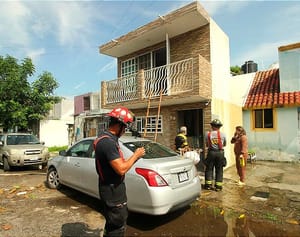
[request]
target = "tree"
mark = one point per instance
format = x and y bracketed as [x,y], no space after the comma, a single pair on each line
[23,104]
[236,70]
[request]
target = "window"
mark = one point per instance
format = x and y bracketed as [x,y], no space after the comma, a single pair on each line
[153,150]
[86,103]
[128,67]
[263,118]
[144,61]
[81,149]
[151,124]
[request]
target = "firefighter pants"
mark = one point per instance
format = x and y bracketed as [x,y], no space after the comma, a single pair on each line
[214,162]
[115,209]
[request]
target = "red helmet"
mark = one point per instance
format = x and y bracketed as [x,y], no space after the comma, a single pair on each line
[122,114]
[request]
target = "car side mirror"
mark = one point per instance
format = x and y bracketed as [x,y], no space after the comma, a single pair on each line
[1,143]
[62,153]
[43,143]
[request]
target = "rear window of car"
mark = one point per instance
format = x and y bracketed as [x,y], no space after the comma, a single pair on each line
[153,149]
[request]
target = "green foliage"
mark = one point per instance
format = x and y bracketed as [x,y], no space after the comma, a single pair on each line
[236,70]
[23,104]
[57,148]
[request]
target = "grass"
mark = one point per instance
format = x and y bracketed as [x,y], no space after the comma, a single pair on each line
[57,148]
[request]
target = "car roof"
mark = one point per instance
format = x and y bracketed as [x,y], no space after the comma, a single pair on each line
[123,139]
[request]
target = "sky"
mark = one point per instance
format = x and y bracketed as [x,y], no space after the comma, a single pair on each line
[63,37]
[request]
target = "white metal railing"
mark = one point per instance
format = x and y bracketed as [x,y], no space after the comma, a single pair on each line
[170,79]
[122,89]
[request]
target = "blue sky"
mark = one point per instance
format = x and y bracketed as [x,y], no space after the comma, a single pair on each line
[63,37]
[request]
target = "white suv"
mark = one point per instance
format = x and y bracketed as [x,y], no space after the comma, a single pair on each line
[20,149]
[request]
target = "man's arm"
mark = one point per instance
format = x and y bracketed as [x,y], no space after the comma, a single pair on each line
[121,166]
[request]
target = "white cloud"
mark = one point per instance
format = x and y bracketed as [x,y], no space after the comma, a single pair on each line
[78,86]
[13,28]
[35,54]
[109,66]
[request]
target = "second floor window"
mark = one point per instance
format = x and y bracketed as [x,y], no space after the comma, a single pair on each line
[263,118]
[128,67]
[86,103]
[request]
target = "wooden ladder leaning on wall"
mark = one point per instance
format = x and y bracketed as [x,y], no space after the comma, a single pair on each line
[157,116]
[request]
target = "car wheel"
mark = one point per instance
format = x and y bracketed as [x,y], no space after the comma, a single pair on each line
[53,179]
[6,166]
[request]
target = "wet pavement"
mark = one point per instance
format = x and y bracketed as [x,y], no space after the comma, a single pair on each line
[269,205]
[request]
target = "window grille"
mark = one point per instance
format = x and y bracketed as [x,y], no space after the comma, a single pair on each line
[151,124]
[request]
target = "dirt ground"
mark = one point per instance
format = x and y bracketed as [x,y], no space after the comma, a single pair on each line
[29,208]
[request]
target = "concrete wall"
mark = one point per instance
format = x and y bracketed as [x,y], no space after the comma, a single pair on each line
[280,144]
[289,62]
[54,130]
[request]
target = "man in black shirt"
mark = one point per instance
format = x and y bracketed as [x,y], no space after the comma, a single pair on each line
[111,168]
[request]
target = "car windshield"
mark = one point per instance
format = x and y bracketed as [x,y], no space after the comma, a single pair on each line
[153,149]
[22,139]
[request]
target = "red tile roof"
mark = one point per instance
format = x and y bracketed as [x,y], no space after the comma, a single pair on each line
[265,92]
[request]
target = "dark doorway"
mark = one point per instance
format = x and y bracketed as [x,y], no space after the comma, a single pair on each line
[193,120]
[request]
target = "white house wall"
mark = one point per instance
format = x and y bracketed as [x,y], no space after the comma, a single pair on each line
[222,105]
[282,144]
[54,132]
[289,63]
[54,129]
[220,61]
[239,88]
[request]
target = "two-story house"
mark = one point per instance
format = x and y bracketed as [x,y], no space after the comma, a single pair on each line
[179,63]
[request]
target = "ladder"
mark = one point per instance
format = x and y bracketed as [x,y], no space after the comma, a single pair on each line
[157,116]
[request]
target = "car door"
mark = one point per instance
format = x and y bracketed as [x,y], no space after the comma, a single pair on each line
[89,176]
[71,168]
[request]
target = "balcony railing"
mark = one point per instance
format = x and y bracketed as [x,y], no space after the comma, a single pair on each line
[169,79]
[122,89]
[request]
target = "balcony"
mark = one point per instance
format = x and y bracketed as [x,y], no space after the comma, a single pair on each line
[178,83]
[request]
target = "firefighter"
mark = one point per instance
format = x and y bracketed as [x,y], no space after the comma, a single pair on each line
[111,168]
[181,142]
[215,160]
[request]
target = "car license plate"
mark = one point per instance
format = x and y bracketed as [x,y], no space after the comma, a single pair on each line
[33,158]
[183,177]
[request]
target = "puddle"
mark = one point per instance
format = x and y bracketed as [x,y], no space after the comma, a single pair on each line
[260,196]
[201,220]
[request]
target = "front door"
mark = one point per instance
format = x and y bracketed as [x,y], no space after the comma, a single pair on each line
[193,120]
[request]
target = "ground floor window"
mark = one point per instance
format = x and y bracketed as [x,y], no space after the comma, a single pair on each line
[151,124]
[263,118]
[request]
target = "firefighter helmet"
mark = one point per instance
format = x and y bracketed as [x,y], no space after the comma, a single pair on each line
[123,115]
[216,123]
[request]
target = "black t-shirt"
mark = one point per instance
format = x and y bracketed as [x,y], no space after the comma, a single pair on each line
[106,150]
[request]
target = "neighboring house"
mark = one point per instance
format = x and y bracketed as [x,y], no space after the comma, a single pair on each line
[89,119]
[57,128]
[271,111]
[183,56]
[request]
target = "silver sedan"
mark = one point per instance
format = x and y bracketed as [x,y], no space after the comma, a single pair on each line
[158,183]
